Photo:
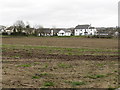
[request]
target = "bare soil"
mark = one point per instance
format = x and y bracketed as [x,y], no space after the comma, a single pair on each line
[35,68]
[64,42]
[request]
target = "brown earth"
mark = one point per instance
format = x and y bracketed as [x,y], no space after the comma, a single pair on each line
[64,42]
[33,68]
[61,71]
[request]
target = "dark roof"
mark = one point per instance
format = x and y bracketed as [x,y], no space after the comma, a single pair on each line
[92,28]
[82,26]
[10,28]
[44,30]
[56,30]
[67,30]
[2,27]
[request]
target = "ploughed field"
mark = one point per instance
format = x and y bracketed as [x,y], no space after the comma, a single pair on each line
[59,62]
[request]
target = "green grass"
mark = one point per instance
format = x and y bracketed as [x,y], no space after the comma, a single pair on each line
[58,48]
[96,76]
[46,66]
[77,83]
[36,63]
[25,65]
[35,77]
[61,50]
[15,56]
[48,84]
[44,74]
[62,65]
[100,64]
[69,53]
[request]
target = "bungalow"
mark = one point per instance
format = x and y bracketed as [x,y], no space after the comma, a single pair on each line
[64,33]
[45,32]
[2,28]
[81,30]
[9,30]
[53,32]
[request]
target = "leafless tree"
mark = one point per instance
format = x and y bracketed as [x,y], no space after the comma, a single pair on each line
[19,25]
[38,29]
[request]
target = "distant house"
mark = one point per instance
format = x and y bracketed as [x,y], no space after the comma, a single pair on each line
[56,31]
[64,33]
[2,29]
[116,34]
[45,32]
[53,32]
[107,32]
[83,30]
[29,31]
[9,30]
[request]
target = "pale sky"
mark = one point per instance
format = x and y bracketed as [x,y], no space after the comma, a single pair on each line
[60,13]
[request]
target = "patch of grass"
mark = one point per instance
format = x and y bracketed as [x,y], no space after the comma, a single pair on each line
[100,64]
[77,83]
[44,74]
[16,56]
[62,65]
[110,88]
[69,53]
[115,71]
[58,48]
[96,76]
[46,66]
[68,49]
[109,74]
[36,63]
[35,77]
[25,65]
[48,84]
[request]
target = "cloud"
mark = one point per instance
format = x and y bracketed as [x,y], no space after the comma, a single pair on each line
[60,13]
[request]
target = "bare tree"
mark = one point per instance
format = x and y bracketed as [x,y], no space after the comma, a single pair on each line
[28,25]
[38,26]
[28,29]
[19,25]
[38,29]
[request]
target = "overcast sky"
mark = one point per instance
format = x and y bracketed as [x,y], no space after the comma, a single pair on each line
[60,13]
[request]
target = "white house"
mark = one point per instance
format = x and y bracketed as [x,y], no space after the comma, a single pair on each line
[9,30]
[64,33]
[82,30]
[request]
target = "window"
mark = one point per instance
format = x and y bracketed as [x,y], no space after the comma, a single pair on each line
[80,34]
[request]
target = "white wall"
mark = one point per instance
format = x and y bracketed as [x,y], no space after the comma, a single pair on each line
[78,32]
[63,33]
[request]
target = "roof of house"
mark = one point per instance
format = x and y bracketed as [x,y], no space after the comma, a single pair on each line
[44,30]
[2,27]
[92,28]
[56,30]
[82,26]
[9,28]
[66,31]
